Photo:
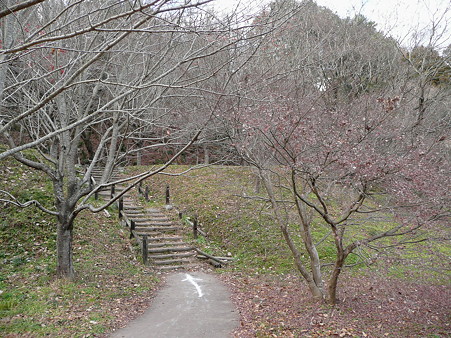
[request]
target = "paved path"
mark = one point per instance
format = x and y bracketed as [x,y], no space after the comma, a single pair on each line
[190,305]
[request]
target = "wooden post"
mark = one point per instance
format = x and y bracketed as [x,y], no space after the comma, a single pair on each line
[195,227]
[113,190]
[145,251]
[139,187]
[132,227]
[146,193]
[167,195]
[121,206]
[96,195]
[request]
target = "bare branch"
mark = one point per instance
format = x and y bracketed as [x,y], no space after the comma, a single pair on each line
[14,201]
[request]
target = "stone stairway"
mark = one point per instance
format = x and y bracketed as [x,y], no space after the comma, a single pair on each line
[166,248]
[106,193]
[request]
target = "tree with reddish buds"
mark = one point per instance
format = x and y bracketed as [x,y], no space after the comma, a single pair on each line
[336,150]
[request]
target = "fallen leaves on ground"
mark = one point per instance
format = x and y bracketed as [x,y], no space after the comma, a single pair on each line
[370,306]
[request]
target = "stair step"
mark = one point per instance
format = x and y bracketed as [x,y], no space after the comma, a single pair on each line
[162,244]
[170,249]
[129,208]
[172,255]
[150,222]
[99,173]
[106,193]
[139,216]
[117,187]
[146,230]
[167,250]
[157,217]
[148,217]
[131,214]
[164,238]
[153,210]
[156,214]
[153,223]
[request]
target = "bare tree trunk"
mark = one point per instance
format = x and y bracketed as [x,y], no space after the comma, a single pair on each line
[306,234]
[315,288]
[112,152]
[86,137]
[339,262]
[421,106]
[206,155]
[6,35]
[316,291]
[257,184]
[333,282]
[139,154]
[64,236]
[65,267]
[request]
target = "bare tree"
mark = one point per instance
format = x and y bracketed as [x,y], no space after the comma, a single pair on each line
[102,78]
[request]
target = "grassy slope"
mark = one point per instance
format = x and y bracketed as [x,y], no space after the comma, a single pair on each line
[404,294]
[243,226]
[237,225]
[111,285]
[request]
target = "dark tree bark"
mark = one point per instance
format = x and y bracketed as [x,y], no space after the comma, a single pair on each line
[65,266]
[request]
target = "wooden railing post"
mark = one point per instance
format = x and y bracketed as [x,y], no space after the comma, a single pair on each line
[121,206]
[145,251]
[195,227]
[167,195]
[96,195]
[146,193]
[113,190]
[132,228]
[140,187]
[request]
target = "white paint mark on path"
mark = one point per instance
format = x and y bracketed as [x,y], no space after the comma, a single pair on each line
[193,280]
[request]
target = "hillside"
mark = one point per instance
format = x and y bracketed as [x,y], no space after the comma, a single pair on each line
[232,209]
[400,295]
[382,298]
[112,285]
[345,128]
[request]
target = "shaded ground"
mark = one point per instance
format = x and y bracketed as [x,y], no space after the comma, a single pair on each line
[370,307]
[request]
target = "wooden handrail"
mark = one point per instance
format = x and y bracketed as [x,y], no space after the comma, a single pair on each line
[211,257]
[218,262]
